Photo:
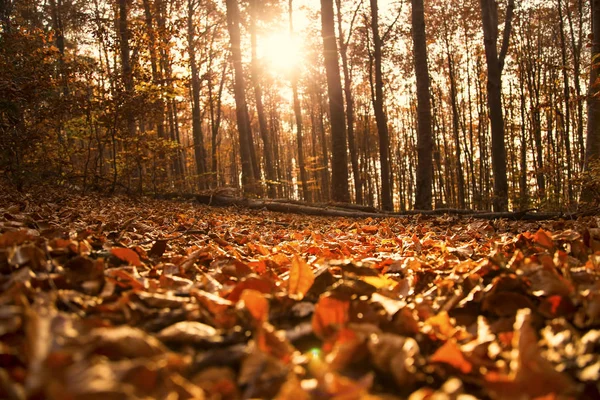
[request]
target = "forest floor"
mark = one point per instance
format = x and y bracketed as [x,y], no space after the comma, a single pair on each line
[121,298]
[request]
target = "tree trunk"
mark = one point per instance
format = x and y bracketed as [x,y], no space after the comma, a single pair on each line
[126,71]
[349,102]
[567,100]
[592,145]
[424,136]
[339,158]
[239,88]
[262,120]
[298,114]
[455,129]
[380,116]
[495,64]
[197,134]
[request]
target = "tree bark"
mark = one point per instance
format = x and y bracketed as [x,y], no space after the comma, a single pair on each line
[262,120]
[380,116]
[589,192]
[424,182]
[567,100]
[495,64]
[339,158]
[243,120]
[349,101]
[197,133]
[298,114]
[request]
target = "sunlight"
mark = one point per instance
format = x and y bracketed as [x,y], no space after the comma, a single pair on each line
[279,52]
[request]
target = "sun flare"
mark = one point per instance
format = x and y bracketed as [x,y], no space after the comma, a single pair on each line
[280,52]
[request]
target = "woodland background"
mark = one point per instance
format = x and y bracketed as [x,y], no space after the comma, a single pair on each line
[156,96]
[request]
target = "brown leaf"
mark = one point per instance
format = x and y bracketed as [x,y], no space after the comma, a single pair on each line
[158,248]
[543,239]
[124,342]
[329,316]
[255,302]
[189,332]
[451,354]
[127,255]
[292,389]
[301,277]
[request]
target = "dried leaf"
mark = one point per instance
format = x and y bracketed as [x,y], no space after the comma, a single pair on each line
[449,353]
[127,255]
[189,332]
[255,302]
[301,277]
[543,239]
[330,315]
[158,248]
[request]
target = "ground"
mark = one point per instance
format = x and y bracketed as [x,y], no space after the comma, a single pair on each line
[117,297]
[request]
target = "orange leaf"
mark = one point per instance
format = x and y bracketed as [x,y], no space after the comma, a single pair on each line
[301,277]
[329,316]
[127,255]
[369,229]
[450,354]
[255,302]
[543,239]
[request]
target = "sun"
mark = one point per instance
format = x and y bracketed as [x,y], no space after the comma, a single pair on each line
[280,53]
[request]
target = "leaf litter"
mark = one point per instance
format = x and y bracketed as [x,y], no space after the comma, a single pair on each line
[114,298]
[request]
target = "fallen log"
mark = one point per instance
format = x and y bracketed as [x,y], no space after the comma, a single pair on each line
[350,211]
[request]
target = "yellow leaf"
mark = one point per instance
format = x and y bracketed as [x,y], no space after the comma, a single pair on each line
[301,277]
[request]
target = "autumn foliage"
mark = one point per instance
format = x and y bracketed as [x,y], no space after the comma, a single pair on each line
[135,298]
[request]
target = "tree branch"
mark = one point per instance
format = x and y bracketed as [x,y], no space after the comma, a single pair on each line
[506,34]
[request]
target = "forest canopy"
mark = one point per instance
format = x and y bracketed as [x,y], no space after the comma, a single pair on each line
[393,104]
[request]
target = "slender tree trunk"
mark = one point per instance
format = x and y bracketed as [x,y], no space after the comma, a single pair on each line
[424,137]
[339,161]
[380,116]
[298,114]
[576,45]
[592,145]
[324,149]
[262,120]
[567,100]
[495,64]
[349,101]
[243,120]
[455,131]
[197,133]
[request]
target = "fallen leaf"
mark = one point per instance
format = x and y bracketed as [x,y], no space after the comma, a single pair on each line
[127,255]
[255,302]
[449,353]
[301,277]
[329,316]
